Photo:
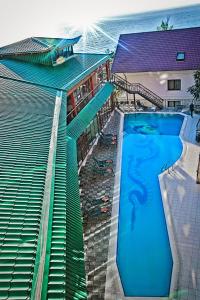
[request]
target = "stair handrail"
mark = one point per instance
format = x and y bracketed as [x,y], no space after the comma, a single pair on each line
[150,92]
[137,88]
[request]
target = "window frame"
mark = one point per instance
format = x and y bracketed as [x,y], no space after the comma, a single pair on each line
[180,53]
[173,103]
[175,87]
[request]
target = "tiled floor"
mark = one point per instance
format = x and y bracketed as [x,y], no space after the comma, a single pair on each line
[184,201]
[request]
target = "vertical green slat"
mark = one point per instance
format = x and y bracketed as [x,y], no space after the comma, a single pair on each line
[75,249]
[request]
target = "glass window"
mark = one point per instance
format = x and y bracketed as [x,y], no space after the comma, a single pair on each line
[174,84]
[77,94]
[180,56]
[174,103]
[85,87]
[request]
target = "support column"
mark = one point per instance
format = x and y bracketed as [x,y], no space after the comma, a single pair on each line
[134,101]
[108,70]
[73,103]
[113,102]
[92,86]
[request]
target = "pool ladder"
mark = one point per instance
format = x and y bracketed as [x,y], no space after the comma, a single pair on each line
[166,167]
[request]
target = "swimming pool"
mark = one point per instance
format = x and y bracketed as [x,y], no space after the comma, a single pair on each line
[151,144]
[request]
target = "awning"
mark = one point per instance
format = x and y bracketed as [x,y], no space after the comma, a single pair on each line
[83,119]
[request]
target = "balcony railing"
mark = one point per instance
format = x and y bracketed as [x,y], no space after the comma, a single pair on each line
[83,102]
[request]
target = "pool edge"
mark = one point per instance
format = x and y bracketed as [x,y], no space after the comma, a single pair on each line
[114,289]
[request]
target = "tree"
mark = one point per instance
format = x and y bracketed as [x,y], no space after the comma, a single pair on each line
[195,89]
[165,25]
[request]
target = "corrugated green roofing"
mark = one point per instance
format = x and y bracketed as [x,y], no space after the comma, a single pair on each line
[25,131]
[65,75]
[36,45]
[4,71]
[26,116]
[79,124]
[29,45]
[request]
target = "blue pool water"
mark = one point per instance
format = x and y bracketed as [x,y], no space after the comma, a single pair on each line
[144,257]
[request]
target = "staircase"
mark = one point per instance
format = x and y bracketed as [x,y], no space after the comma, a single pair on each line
[137,88]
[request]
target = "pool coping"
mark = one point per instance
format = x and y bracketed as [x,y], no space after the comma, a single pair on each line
[113,288]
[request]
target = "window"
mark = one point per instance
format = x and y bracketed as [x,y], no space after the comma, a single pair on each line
[86,87]
[77,94]
[173,103]
[180,56]
[174,85]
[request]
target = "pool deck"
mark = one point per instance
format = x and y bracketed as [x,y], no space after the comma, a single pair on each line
[182,194]
[181,198]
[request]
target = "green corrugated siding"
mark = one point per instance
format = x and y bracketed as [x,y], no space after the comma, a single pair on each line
[75,276]
[79,124]
[65,75]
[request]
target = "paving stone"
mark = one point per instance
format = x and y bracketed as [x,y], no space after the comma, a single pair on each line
[97,230]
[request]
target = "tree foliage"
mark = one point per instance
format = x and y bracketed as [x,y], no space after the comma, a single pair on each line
[195,89]
[165,25]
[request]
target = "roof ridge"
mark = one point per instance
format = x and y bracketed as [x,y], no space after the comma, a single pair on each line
[159,31]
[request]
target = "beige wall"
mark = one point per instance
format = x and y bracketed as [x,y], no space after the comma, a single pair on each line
[157,82]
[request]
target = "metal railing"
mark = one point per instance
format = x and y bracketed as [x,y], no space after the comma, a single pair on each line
[137,88]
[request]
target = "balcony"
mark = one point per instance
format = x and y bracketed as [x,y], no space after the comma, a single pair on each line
[83,102]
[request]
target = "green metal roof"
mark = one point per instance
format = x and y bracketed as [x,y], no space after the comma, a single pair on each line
[28,226]
[40,215]
[64,76]
[29,45]
[25,131]
[36,45]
